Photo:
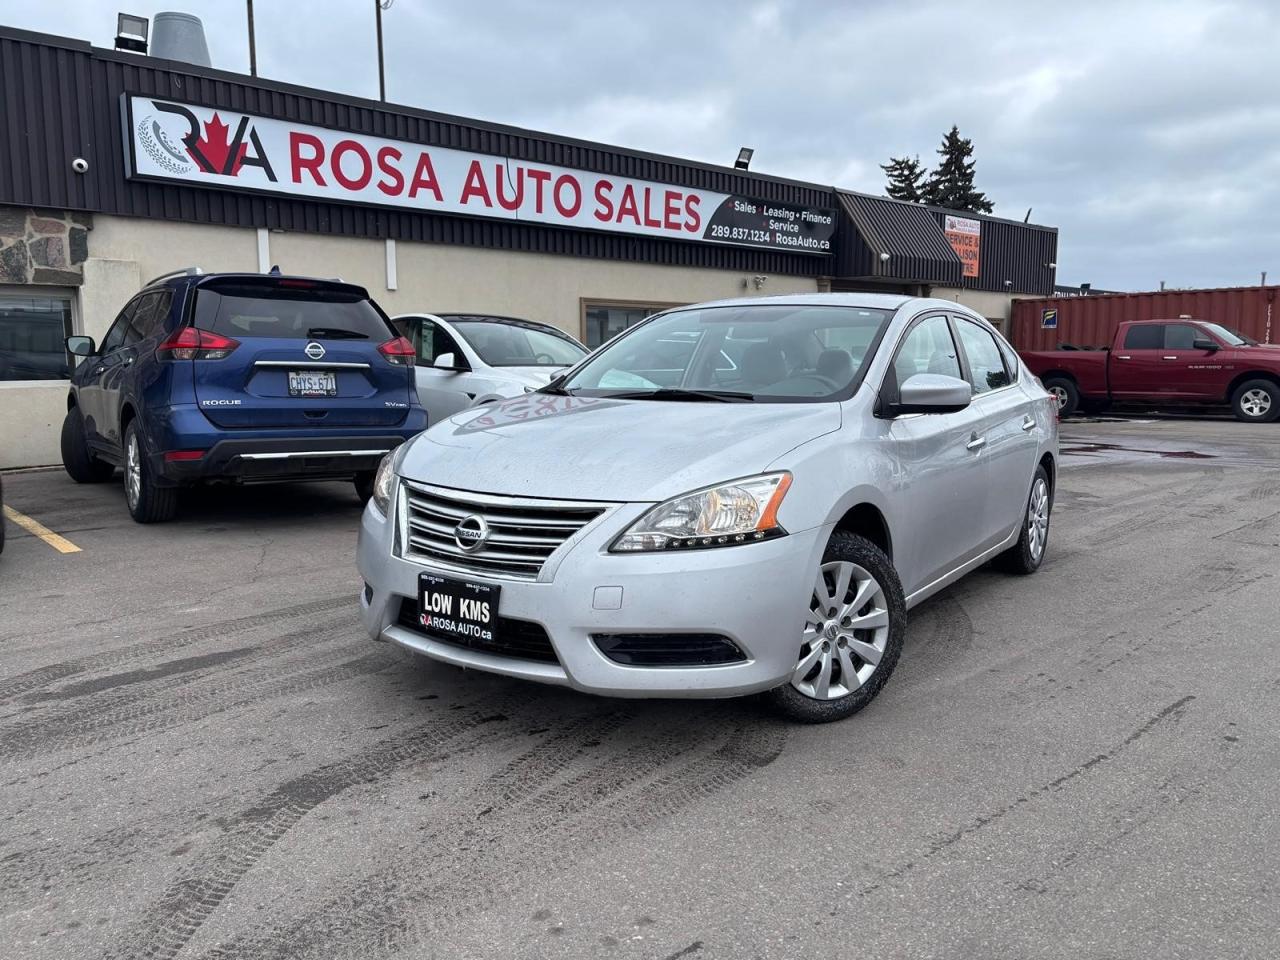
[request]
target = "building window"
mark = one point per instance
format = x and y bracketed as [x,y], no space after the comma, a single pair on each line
[602,320]
[33,328]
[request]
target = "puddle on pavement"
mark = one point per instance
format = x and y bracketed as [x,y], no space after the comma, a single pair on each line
[1120,451]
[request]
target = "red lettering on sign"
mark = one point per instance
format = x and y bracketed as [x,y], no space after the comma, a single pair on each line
[424,177]
[692,221]
[671,210]
[475,185]
[627,205]
[567,210]
[649,220]
[340,150]
[395,186]
[312,163]
[503,202]
[541,178]
[604,203]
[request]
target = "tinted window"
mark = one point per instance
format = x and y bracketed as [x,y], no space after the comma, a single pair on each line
[116,336]
[986,365]
[1180,336]
[149,318]
[928,348]
[514,344]
[296,313]
[779,352]
[1145,336]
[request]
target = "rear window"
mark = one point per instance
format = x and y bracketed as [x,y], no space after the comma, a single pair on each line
[1146,336]
[297,313]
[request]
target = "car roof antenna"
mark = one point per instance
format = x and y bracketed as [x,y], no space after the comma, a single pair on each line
[274,271]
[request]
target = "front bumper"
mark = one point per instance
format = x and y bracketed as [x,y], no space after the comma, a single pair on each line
[754,594]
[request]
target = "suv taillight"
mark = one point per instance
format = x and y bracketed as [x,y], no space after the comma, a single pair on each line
[191,343]
[399,350]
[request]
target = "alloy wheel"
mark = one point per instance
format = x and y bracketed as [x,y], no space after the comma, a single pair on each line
[1059,395]
[845,632]
[1038,519]
[1255,403]
[132,471]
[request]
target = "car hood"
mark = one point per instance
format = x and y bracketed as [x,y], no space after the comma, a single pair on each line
[585,448]
[534,377]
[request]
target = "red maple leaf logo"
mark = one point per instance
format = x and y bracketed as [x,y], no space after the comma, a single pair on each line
[210,151]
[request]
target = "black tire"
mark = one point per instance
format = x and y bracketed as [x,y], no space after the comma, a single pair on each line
[858,550]
[364,486]
[1068,397]
[1252,394]
[80,464]
[153,503]
[1022,558]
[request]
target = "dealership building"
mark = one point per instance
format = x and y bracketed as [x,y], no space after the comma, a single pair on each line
[117,167]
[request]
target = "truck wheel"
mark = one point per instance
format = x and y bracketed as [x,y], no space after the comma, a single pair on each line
[147,502]
[1065,393]
[81,465]
[1256,401]
[851,637]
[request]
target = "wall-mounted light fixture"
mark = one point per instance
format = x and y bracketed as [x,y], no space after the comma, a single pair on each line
[744,158]
[884,258]
[131,32]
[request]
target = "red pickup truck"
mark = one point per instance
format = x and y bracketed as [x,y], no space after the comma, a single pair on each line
[1171,362]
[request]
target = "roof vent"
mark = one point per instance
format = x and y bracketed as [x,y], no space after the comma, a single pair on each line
[179,36]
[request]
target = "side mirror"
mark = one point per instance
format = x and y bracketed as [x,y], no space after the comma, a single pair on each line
[1204,343]
[80,346]
[447,361]
[932,393]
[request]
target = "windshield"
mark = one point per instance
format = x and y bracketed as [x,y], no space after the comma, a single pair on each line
[518,343]
[762,352]
[1228,336]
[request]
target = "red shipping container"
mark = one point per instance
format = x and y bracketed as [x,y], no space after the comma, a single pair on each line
[1091,321]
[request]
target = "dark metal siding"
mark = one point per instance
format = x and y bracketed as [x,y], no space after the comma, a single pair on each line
[918,250]
[61,99]
[1092,320]
[1008,250]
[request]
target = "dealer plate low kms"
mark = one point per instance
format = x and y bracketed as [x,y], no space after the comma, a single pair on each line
[313,383]
[458,609]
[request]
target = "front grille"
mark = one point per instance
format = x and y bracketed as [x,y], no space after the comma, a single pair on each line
[522,639]
[523,533]
[668,649]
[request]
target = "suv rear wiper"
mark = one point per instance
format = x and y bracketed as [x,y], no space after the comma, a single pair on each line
[675,393]
[335,333]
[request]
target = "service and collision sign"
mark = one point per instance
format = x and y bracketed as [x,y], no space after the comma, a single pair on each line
[965,237]
[219,148]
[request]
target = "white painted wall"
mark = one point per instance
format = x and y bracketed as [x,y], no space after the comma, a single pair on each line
[996,307]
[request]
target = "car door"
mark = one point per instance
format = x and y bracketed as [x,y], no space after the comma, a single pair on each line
[939,474]
[442,392]
[1138,367]
[1005,430]
[1192,374]
[91,374]
[118,365]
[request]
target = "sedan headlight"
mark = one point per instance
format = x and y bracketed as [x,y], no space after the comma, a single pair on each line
[742,511]
[384,482]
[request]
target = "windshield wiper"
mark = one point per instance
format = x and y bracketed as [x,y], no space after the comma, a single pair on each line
[676,393]
[335,333]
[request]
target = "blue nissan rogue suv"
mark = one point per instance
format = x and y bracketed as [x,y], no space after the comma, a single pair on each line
[239,378]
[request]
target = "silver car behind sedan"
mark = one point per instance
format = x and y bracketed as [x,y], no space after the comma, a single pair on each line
[467,360]
[728,498]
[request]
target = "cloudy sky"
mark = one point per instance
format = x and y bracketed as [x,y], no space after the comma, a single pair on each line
[1148,133]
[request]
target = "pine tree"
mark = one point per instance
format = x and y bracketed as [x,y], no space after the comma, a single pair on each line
[906,179]
[951,184]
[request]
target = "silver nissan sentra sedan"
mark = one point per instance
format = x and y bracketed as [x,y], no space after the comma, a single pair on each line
[728,498]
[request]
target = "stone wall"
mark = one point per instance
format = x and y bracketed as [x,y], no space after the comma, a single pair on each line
[43,246]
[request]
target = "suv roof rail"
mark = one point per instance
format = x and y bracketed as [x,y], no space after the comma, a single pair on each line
[182,272]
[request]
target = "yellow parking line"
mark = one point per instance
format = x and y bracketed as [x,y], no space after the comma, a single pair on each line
[38,529]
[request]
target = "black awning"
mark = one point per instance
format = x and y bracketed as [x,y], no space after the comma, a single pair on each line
[918,251]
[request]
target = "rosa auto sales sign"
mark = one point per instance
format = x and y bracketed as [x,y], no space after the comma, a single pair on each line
[208,147]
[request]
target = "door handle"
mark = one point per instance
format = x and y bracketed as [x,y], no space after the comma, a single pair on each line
[1170,358]
[98,370]
[976,442]
[1123,356]
[1028,423]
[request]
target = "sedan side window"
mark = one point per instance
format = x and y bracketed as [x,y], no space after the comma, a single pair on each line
[928,348]
[418,332]
[985,361]
[442,342]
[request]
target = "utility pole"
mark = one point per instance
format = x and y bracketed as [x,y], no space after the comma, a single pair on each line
[253,49]
[378,7]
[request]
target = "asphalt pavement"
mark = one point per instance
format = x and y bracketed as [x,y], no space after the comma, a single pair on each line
[202,755]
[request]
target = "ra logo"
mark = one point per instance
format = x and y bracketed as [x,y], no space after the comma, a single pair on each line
[212,149]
